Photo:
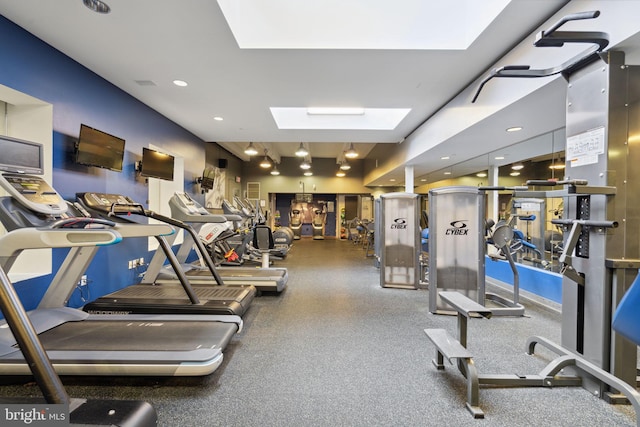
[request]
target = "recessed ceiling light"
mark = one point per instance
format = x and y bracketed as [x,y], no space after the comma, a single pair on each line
[517,166]
[514,129]
[218,119]
[392,180]
[557,166]
[499,158]
[180,83]
[447,173]
[481,175]
[423,180]
[97,6]
[445,158]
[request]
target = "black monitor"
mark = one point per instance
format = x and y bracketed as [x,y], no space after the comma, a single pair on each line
[20,156]
[207,180]
[100,149]
[156,164]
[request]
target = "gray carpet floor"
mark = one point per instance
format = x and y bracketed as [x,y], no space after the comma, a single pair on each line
[336,349]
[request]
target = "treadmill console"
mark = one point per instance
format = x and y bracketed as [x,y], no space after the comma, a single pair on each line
[184,208]
[189,205]
[105,203]
[34,193]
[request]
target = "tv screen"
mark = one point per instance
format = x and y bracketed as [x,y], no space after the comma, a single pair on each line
[20,156]
[97,148]
[156,164]
[208,177]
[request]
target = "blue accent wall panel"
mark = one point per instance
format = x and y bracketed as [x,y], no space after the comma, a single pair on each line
[78,95]
[540,282]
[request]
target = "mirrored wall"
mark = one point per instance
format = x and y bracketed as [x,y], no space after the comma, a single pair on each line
[537,242]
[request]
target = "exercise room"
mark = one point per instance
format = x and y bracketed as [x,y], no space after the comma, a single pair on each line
[366,213]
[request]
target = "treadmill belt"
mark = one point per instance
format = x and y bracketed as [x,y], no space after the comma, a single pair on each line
[111,335]
[177,292]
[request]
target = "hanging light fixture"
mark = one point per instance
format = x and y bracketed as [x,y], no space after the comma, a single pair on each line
[308,173]
[340,173]
[305,165]
[345,166]
[301,151]
[250,150]
[351,153]
[265,163]
[517,166]
[275,171]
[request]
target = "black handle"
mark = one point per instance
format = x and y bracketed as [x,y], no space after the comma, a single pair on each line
[586,222]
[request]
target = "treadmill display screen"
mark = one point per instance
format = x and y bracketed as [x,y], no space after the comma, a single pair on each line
[20,156]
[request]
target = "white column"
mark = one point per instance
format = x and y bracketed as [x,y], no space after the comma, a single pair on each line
[408,178]
[492,201]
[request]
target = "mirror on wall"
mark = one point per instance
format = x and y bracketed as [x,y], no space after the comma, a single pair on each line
[538,242]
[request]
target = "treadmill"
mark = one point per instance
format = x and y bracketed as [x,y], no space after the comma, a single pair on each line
[56,403]
[79,343]
[187,210]
[179,296]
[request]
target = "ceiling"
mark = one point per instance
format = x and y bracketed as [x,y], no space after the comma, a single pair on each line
[143,46]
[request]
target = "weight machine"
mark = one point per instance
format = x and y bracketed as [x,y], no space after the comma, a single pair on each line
[601,254]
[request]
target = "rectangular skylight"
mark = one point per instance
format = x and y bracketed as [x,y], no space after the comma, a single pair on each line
[369,119]
[359,24]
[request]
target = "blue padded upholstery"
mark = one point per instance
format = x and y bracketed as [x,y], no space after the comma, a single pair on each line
[626,319]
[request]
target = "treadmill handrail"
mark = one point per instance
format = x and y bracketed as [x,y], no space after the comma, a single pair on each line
[27,338]
[39,238]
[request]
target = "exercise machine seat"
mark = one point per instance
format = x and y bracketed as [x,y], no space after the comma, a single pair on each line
[626,319]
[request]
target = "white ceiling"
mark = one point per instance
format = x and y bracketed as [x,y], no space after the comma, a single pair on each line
[142,46]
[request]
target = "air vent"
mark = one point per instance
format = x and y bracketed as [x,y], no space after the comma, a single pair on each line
[146,83]
[253,190]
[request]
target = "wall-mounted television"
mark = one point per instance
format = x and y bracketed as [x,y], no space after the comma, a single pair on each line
[208,177]
[100,149]
[156,164]
[20,156]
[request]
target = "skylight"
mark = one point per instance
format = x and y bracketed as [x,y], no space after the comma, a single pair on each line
[359,24]
[370,118]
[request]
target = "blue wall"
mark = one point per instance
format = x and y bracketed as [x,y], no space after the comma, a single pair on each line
[80,96]
[540,282]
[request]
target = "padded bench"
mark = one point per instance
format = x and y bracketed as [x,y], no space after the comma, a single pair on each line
[451,348]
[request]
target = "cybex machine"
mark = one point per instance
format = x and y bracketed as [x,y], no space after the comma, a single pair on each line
[601,255]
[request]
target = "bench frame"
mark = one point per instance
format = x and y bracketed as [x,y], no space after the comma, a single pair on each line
[450,348]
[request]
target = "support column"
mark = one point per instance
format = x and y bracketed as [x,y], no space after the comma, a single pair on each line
[492,201]
[408,178]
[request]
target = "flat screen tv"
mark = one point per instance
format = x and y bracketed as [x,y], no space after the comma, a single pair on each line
[100,149]
[208,177]
[156,164]
[20,156]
